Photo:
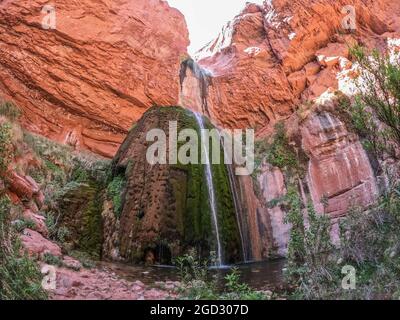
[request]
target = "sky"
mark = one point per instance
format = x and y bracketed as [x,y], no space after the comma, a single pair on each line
[205,18]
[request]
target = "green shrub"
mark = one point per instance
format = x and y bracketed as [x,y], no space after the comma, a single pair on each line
[236,290]
[294,217]
[22,224]
[20,278]
[379,99]
[62,234]
[52,260]
[369,243]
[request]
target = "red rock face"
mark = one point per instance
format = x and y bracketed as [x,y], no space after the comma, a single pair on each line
[36,245]
[272,57]
[88,80]
[272,183]
[249,88]
[339,169]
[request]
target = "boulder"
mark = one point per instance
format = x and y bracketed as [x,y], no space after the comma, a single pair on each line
[36,245]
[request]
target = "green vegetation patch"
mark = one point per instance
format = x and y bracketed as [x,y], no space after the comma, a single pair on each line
[9,110]
[20,278]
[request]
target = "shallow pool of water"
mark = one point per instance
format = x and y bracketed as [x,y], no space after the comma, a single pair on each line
[258,275]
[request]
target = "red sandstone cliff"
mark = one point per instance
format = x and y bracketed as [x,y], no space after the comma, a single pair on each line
[272,57]
[107,62]
[266,63]
[104,65]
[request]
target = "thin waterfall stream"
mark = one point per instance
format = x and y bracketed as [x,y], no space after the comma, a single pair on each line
[210,185]
[241,220]
[194,97]
[244,239]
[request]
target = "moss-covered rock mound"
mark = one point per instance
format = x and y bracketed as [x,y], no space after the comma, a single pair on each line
[163,209]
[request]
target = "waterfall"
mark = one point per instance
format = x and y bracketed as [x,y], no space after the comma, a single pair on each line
[241,219]
[194,83]
[210,185]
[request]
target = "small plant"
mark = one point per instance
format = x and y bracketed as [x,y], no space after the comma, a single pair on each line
[57,233]
[84,258]
[280,154]
[62,234]
[20,278]
[51,225]
[9,110]
[237,290]
[6,147]
[21,225]
[199,284]
[52,260]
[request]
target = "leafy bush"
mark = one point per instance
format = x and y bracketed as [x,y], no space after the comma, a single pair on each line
[62,234]
[52,260]
[379,99]
[369,243]
[20,278]
[56,233]
[294,217]
[236,290]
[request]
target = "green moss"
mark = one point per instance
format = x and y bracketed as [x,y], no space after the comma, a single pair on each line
[80,205]
[114,192]
[186,222]
[198,228]
[91,237]
[281,152]
[195,212]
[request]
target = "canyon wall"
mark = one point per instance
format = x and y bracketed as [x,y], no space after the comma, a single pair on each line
[271,57]
[106,62]
[267,65]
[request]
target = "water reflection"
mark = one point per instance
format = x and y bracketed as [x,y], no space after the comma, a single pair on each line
[259,275]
